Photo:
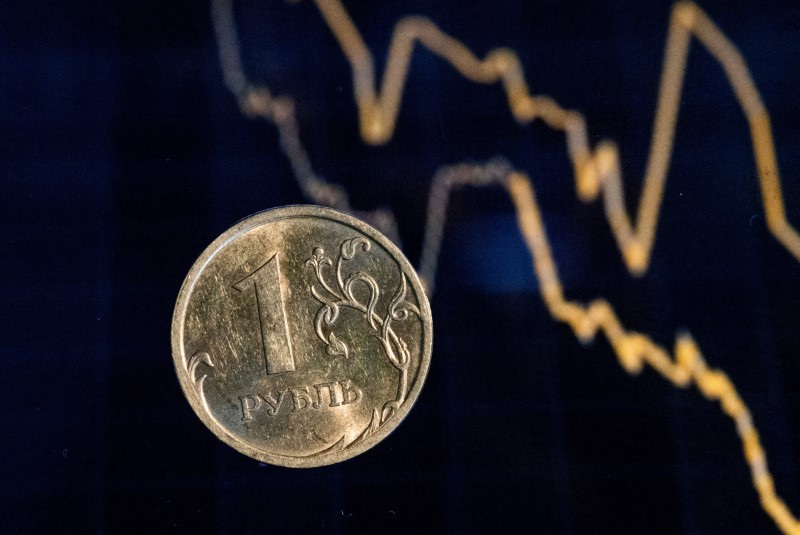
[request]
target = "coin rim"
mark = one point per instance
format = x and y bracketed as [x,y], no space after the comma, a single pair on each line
[178,319]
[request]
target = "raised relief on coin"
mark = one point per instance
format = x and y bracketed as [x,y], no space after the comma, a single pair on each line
[342,295]
[301,336]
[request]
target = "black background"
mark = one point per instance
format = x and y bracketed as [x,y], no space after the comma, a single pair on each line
[123,156]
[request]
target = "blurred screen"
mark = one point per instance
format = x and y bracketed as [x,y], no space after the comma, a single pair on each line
[128,146]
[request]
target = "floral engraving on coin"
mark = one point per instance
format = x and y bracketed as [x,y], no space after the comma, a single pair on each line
[334,295]
[191,366]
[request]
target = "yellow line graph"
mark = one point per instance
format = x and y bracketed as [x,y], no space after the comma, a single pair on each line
[596,172]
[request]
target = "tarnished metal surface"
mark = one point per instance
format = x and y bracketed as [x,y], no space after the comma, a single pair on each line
[301,336]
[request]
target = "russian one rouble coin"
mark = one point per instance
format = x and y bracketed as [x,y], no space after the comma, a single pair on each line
[301,336]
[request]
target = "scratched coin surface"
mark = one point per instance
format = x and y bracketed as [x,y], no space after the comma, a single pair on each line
[301,336]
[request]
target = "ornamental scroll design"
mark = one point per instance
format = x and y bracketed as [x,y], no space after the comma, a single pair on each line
[192,365]
[337,293]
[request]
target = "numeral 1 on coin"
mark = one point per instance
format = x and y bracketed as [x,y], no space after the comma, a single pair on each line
[266,284]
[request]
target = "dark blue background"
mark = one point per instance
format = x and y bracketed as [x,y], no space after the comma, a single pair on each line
[123,156]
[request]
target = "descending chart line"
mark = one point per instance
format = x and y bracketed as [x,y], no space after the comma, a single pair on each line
[596,173]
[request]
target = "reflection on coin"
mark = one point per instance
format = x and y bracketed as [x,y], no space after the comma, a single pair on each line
[301,336]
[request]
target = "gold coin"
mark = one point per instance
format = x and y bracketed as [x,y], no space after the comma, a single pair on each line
[301,336]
